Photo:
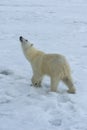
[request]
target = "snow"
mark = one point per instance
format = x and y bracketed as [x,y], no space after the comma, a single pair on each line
[54,26]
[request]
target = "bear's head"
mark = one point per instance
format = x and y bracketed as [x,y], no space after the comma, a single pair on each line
[25,43]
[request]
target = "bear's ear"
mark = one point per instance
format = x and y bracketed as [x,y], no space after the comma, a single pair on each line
[32,44]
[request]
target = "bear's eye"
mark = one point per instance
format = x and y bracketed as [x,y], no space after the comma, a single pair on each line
[31,44]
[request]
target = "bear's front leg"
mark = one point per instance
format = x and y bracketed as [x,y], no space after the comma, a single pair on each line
[36,82]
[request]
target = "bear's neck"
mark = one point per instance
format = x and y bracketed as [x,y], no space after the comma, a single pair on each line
[32,53]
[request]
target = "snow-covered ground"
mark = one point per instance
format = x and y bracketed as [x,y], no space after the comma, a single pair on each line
[54,26]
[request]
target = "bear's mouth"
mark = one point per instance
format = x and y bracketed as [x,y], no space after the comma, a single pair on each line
[22,39]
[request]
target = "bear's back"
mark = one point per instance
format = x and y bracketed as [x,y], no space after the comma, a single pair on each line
[54,64]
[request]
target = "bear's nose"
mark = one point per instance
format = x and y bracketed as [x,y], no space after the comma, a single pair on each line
[20,38]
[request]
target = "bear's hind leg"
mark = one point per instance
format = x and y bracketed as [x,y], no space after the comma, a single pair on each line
[70,85]
[54,84]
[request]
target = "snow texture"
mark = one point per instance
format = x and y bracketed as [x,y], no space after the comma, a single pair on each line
[54,26]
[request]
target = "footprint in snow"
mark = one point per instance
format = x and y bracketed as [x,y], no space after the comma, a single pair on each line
[5,72]
[4,101]
[56,122]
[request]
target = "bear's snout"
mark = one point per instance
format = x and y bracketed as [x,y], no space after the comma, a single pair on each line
[21,38]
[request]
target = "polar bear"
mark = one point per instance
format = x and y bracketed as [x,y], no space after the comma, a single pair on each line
[53,65]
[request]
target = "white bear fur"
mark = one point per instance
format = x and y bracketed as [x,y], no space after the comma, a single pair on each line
[53,65]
